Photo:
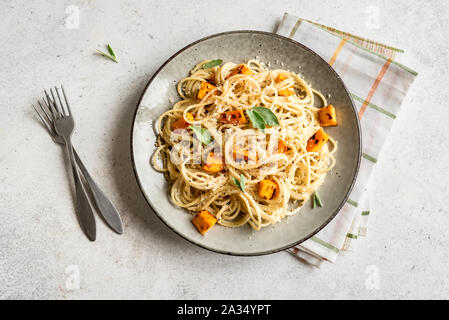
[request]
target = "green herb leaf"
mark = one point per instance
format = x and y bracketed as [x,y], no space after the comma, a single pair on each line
[212,63]
[201,134]
[256,118]
[111,54]
[236,182]
[316,200]
[268,115]
[261,117]
[240,184]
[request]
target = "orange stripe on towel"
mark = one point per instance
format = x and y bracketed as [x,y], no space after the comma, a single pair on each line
[374,87]
[337,51]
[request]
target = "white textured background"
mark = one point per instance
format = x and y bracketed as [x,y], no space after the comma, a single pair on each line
[41,245]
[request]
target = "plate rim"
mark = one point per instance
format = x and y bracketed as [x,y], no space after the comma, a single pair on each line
[260,253]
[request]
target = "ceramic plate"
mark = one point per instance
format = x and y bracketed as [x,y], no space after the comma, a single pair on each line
[236,47]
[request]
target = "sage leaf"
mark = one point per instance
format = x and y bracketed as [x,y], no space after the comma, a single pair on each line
[268,115]
[316,200]
[201,134]
[212,63]
[240,184]
[257,120]
[111,54]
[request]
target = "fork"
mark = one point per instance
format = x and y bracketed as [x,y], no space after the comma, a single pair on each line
[105,207]
[56,113]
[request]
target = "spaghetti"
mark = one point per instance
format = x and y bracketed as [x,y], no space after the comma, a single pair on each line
[250,170]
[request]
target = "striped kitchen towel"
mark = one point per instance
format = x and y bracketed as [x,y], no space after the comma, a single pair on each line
[378,85]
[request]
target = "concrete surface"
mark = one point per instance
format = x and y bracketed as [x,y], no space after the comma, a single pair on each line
[43,253]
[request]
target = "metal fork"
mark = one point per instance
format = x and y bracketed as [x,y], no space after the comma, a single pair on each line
[104,205]
[48,115]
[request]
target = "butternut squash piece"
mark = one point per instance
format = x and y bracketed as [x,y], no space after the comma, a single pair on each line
[214,163]
[234,117]
[317,141]
[282,147]
[181,123]
[205,88]
[285,92]
[240,69]
[327,116]
[281,77]
[267,189]
[203,221]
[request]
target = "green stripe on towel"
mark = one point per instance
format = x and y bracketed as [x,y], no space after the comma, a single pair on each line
[350,235]
[373,106]
[365,213]
[324,243]
[352,202]
[351,36]
[368,157]
[295,27]
[413,72]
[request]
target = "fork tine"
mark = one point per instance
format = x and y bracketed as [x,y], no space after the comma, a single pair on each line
[48,108]
[55,105]
[61,104]
[46,124]
[66,101]
[50,103]
[49,118]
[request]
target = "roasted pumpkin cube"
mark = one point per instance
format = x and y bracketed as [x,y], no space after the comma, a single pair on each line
[205,88]
[181,123]
[282,147]
[284,92]
[267,189]
[317,141]
[203,221]
[214,163]
[234,117]
[240,69]
[281,77]
[327,116]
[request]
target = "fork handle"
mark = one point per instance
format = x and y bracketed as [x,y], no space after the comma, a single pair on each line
[104,205]
[84,208]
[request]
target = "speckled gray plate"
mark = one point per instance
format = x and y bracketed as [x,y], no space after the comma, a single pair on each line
[237,46]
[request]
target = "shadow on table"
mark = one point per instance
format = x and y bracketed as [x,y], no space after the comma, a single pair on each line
[135,211]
